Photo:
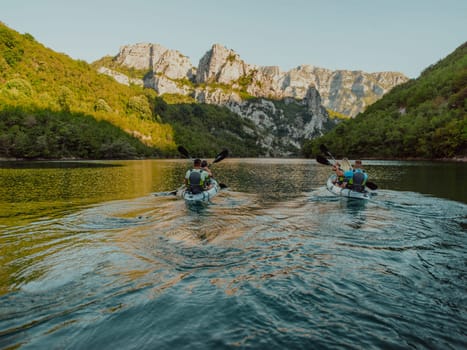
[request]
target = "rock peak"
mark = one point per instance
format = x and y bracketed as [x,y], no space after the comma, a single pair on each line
[347,92]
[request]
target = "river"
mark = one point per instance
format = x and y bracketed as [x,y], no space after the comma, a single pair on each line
[98,255]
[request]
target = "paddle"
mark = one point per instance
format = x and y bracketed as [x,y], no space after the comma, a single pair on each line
[322,160]
[371,185]
[325,150]
[184,152]
[224,153]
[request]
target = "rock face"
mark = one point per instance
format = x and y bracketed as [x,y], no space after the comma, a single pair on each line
[157,59]
[220,65]
[287,106]
[121,78]
[285,124]
[347,92]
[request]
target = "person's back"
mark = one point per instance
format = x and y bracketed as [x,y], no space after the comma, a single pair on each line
[359,177]
[195,178]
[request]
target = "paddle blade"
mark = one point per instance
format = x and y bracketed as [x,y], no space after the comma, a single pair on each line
[371,185]
[221,156]
[323,149]
[322,160]
[183,151]
[170,193]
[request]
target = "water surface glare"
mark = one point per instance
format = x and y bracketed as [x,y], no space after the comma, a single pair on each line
[100,257]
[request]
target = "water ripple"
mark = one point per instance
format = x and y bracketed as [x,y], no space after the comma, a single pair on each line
[250,270]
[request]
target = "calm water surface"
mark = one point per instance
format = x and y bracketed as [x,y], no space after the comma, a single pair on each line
[96,255]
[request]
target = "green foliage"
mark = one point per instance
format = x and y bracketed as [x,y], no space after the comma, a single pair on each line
[65,98]
[10,47]
[206,129]
[336,115]
[101,105]
[17,88]
[31,134]
[110,62]
[37,79]
[426,118]
[231,58]
[140,106]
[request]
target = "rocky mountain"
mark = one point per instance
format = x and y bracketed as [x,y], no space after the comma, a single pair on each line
[228,78]
[287,107]
[423,118]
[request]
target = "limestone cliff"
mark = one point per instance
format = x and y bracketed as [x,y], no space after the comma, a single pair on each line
[344,91]
[288,107]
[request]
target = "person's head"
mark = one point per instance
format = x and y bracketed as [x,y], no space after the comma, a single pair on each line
[204,164]
[197,162]
[358,163]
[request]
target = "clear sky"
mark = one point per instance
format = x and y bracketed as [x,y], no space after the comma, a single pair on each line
[369,35]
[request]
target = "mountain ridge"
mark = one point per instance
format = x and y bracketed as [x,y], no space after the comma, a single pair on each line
[169,71]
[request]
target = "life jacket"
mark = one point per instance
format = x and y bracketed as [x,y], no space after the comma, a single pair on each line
[196,182]
[358,180]
[348,175]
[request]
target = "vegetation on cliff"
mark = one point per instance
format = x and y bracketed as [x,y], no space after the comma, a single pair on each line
[425,117]
[52,106]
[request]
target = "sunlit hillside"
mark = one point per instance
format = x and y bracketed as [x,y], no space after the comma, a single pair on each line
[425,117]
[36,81]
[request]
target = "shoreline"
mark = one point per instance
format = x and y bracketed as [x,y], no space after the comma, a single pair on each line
[408,159]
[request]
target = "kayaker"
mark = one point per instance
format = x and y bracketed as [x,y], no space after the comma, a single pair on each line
[204,167]
[196,178]
[339,174]
[359,177]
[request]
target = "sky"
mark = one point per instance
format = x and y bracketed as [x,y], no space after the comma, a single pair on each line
[370,35]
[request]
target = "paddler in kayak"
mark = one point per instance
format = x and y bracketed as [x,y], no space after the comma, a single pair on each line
[339,174]
[196,178]
[356,178]
[205,167]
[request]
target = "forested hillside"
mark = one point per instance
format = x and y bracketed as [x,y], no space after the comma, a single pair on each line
[52,106]
[425,117]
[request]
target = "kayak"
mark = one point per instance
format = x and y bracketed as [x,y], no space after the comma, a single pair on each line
[345,192]
[204,196]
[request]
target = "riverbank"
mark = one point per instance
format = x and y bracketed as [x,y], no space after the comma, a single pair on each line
[455,159]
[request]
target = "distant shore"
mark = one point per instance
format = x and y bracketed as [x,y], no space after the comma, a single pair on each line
[455,159]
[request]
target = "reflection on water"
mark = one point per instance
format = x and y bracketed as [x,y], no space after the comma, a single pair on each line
[97,257]
[39,192]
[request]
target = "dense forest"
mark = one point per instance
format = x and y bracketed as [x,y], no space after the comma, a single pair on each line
[423,118]
[52,106]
